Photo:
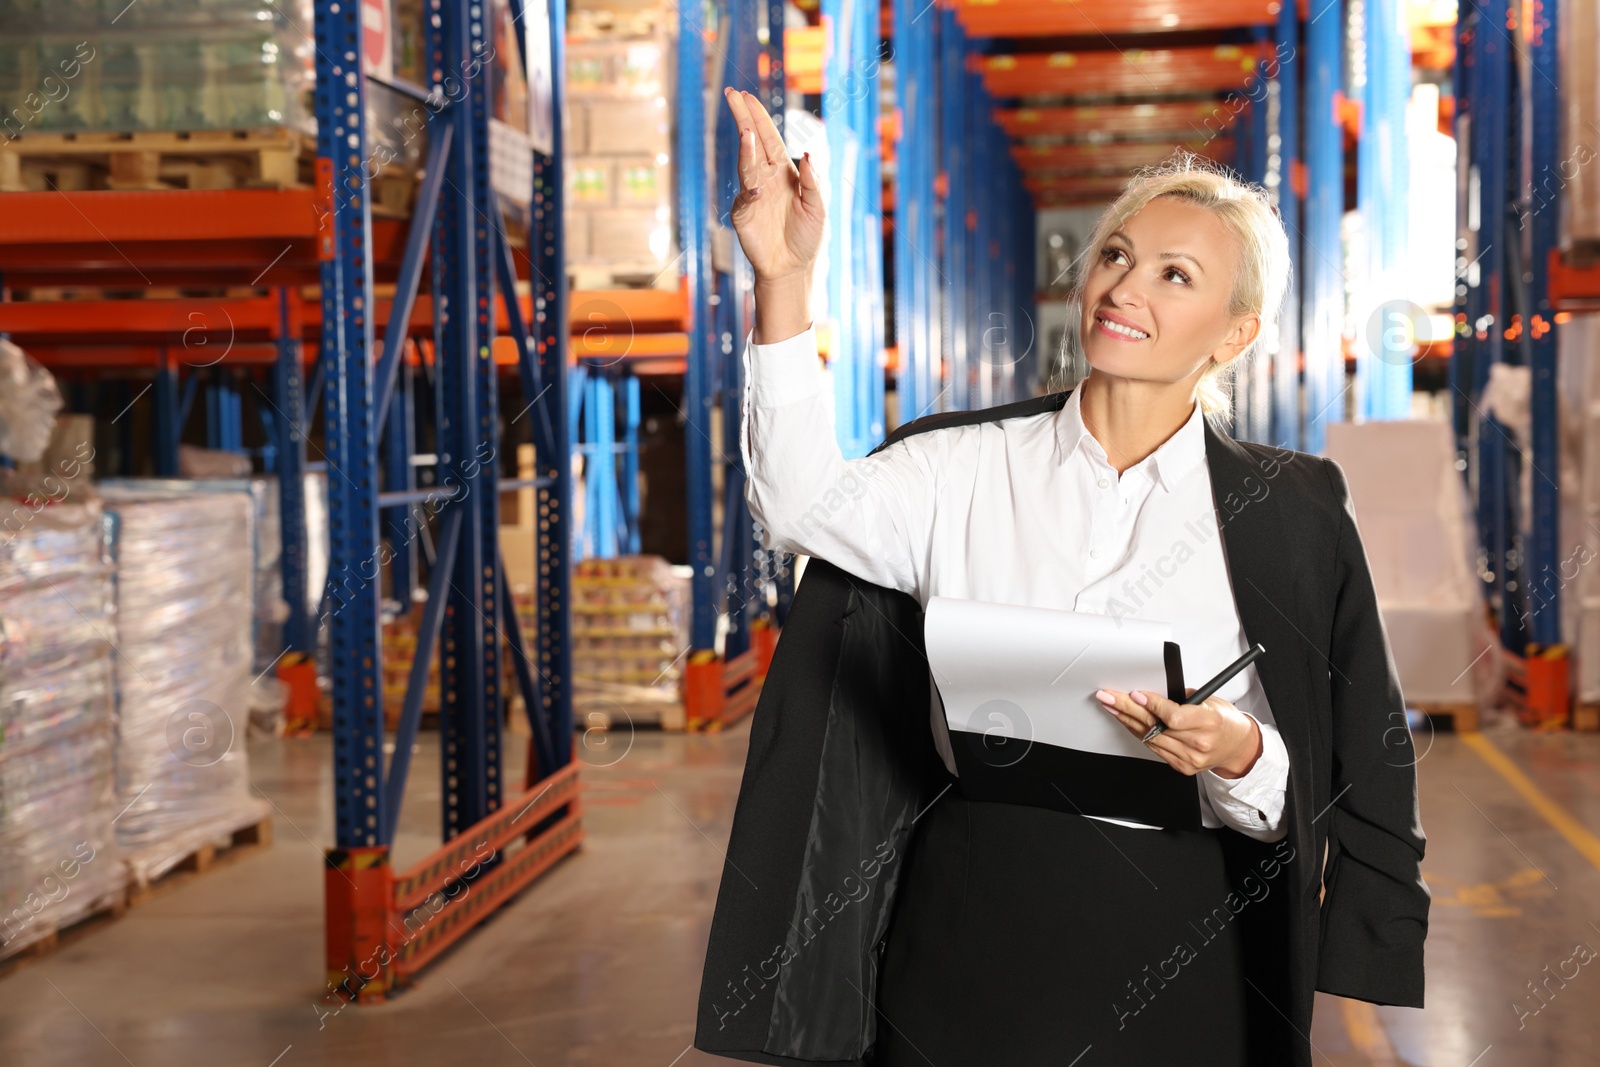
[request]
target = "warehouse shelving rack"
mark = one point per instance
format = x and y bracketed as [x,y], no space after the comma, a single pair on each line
[498,836]
[1500,318]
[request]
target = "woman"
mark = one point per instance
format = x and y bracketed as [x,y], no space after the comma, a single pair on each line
[871,913]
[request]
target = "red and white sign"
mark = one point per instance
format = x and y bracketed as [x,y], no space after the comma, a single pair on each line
[377,36]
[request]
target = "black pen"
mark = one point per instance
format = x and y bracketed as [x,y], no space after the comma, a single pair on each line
[1199,696]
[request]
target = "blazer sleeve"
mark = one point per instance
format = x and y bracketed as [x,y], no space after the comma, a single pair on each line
[1375,904]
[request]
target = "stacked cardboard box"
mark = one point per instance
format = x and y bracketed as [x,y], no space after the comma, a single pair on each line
[1580,92]
[619,146]
[630,628]
[58,859]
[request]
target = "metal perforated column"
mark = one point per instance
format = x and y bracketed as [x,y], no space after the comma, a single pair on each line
[346,351]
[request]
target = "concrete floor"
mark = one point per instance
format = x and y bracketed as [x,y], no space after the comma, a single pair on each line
[599,962]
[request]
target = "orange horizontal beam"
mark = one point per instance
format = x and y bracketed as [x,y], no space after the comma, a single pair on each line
[1118,155]
[1187,119]
[1573,287]
[1131,72]
[143,238]
[1094,18]
[1075,186]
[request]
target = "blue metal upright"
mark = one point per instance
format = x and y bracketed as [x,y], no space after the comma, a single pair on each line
[346,350]
[918,383]
[1483,67]
[1543,236]
[956,316]
[1284,429]
[299,636]
[742,593]
[698,386]
[1383,377]
[855,274]
[1322,294]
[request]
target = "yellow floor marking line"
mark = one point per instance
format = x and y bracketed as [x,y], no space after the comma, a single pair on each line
[1578,835]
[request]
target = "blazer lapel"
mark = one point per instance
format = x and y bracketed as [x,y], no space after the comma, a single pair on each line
[1250,517]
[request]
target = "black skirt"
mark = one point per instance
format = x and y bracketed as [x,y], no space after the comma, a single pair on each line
[1029,937]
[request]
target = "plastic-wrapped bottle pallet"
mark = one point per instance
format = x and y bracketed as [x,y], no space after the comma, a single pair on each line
[630,628]
[158,65]
[183,592]
[58,860]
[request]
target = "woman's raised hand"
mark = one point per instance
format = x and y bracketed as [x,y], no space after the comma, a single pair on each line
[778,213]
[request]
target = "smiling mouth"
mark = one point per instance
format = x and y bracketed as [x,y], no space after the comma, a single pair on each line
[1120,330]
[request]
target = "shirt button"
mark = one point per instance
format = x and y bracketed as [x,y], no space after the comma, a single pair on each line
[1104,483]
[1094,553]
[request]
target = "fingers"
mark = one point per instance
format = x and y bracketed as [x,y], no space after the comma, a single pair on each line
[808,178]
[766,130]
[749,169]
[1184,754]
[1138,720]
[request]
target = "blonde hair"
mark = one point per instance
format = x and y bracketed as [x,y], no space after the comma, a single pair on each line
[1248,213]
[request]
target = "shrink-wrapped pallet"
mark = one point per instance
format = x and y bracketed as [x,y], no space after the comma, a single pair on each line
[57,856]
[183,564]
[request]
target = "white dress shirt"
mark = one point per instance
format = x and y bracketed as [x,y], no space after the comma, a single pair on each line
[1018,511]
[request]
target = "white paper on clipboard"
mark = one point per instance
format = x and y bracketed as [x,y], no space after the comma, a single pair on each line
[1031,673]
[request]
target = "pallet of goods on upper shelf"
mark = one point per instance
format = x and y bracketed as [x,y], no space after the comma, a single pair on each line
[620,230]
[173,95]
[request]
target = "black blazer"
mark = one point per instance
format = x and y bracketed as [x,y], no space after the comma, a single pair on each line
[842,758]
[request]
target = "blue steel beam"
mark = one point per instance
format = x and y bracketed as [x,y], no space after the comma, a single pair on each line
[287,372]
[405,289]
[735,286]
[1383,378]
[548,256]
[169,421]
[417,682]
[1285,430]
[351,443]
[693,202]
[470,709]
[1322,296]
[1544,595]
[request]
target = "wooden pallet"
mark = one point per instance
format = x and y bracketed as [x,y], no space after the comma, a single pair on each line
[1458,718]
[108,906]
[150,873]
[152,159]
[270,158]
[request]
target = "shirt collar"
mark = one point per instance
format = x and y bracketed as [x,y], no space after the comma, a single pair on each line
[1174,459]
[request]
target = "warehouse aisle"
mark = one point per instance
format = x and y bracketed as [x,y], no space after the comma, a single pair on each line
[600,962]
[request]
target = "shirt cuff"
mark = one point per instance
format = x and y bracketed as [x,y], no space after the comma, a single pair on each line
[785,371]
[1257,796]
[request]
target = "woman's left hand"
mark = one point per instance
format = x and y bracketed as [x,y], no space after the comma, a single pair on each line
[1213,736]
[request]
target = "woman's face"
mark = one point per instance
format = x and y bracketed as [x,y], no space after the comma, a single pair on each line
[1167,273]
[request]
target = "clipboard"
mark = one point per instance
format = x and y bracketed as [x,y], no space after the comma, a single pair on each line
[1012,770]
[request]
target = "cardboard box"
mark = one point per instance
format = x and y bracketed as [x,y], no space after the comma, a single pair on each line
[577,234]
[591,182]
[628,127]
[629,235]
[591,68]
[642,181]
[1580,91]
